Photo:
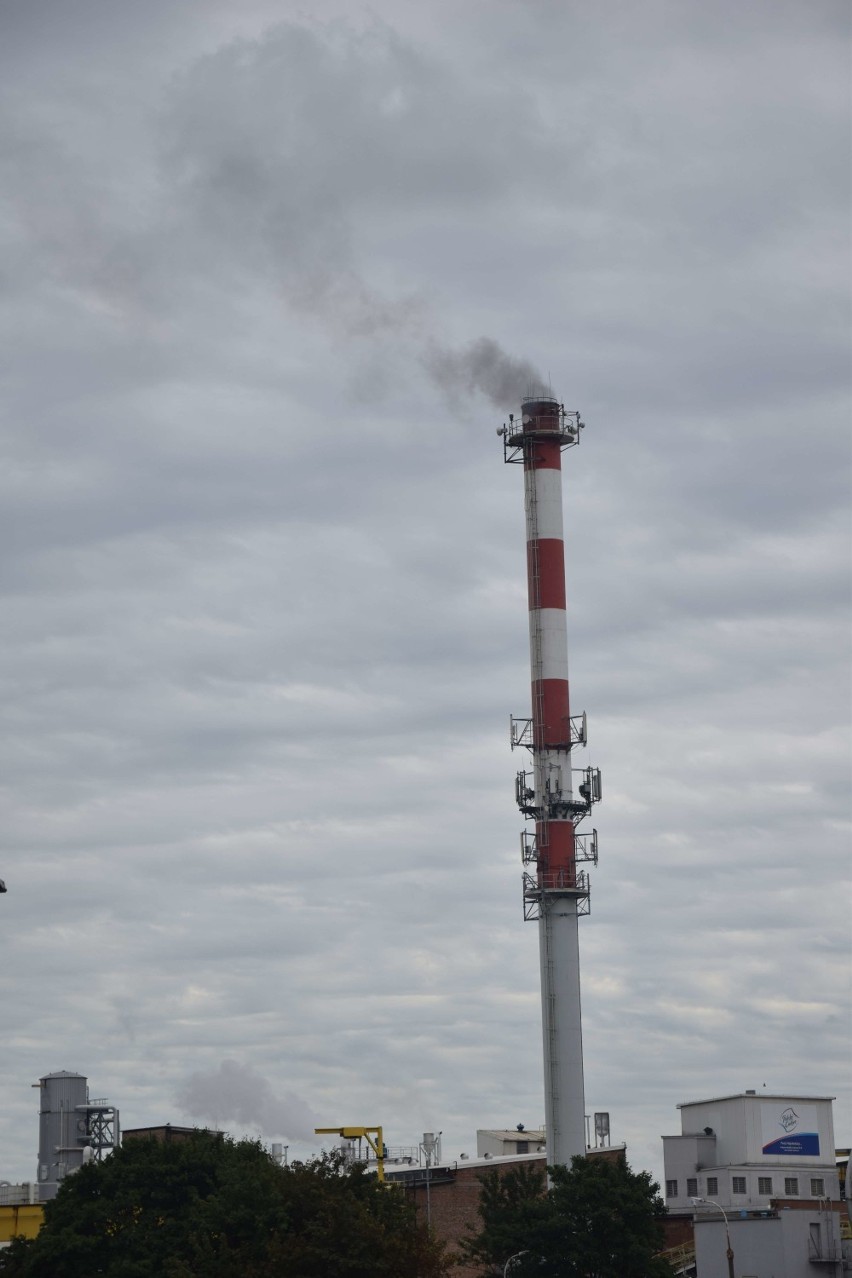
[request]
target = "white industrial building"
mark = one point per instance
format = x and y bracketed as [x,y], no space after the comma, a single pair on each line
[762,1168]
[743,1151]
[500,1143]
[781,1243]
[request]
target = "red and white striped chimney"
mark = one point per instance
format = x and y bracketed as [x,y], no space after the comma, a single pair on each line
[555,891]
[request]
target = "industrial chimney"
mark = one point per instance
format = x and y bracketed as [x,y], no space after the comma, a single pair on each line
[555,891]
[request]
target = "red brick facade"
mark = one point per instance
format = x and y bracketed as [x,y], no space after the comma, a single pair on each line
[454,1202]
[454,1197]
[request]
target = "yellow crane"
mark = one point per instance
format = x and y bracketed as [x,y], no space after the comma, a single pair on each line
[373,1137]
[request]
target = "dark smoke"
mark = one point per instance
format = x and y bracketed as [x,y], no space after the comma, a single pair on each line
[263,183]
[484,366]
[237,1093]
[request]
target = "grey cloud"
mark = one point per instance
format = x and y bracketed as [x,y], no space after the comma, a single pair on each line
[303,130]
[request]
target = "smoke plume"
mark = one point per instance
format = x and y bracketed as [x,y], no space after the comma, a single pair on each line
[276,156]
[239,1094]
[483,366]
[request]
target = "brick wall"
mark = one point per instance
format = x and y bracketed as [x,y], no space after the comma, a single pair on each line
[678,1231]
[454,1203]
[454,1198]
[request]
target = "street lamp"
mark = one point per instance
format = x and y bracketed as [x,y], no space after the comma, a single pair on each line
[516,1256]
[710,1202]
[429,1146]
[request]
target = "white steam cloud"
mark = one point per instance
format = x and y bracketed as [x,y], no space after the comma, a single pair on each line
[239,1094]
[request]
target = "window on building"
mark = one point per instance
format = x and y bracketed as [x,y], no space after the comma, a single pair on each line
[712,1186]
[791,1186]
[692,1187]
[671,1189]
[738,1184]
[523,1146]
[764,1184]
[817,1187]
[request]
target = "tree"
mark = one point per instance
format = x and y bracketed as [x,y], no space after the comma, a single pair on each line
[509,1204]
[211,1207]
[598,1219]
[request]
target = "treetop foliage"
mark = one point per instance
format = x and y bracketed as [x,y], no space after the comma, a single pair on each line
[211,1207]
[598,1219]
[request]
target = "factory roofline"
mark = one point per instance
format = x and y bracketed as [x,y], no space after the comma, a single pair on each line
[715,1100]
[456,1164]
[500,1159]
[515,1133]
[496,1160]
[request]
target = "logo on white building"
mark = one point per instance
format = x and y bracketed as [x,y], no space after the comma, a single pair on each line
[789,1120]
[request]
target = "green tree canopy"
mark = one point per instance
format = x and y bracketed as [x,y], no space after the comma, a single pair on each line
[598,1219]
[211,1207]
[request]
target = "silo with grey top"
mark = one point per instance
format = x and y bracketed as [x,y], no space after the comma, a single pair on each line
[60,1150]
[72,1128]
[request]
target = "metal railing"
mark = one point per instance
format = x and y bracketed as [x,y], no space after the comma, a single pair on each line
[575,882]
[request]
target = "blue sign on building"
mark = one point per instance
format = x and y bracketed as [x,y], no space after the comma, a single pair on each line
[795,1145]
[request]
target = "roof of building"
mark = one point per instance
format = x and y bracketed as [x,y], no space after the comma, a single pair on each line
[166,1132]
[494,1160]
[448,1166]
[513,1133]
[764,1095]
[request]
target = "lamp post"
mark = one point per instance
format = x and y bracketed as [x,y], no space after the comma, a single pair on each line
[710,1202]
[429,1145]
[516,1256]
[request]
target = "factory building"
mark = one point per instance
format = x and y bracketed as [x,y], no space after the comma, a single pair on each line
[166,1134]
[447,1195]
[21,1212]
[800,1240]
[755,1175]
[744,1151]
[502,1144]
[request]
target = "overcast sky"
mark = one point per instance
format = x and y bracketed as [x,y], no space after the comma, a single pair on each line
[264,573]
